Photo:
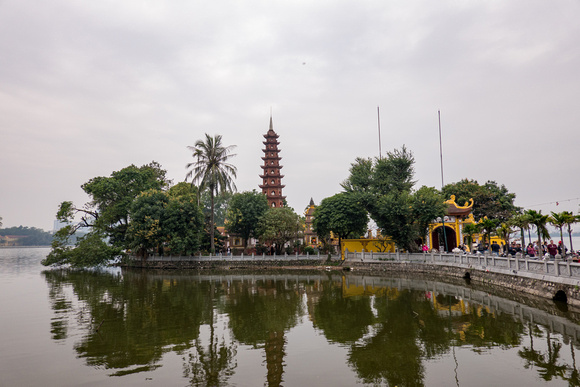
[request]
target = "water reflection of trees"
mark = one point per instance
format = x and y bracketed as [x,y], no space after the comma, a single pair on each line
[128,322]
[260,313]
[138,319]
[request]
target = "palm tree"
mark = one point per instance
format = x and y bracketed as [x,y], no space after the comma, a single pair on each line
[487,226]
[212,170]
[558,219]
[522,221]
[570,219]
[469,230]
[504,231]
[539,220]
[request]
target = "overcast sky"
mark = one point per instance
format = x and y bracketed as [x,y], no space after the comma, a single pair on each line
[90,87]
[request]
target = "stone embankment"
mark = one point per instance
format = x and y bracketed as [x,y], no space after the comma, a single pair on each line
[553,280]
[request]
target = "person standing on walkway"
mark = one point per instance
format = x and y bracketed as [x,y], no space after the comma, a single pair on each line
[531,251]
[495,248]
[552,249]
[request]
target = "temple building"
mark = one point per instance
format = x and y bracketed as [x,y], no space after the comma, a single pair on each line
[271,178]
[310,237]
[457,216]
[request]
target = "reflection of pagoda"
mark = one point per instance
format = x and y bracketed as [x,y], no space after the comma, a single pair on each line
[271,179]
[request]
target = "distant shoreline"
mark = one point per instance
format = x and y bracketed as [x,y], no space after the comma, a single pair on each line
[28,247]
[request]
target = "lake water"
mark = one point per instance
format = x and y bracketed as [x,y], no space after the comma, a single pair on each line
[121,328]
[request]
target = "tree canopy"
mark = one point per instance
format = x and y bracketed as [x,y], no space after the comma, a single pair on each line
[115,201]
[491,200]
[278,226]
[385,188]
[244,212]
[343,214]
[212,171]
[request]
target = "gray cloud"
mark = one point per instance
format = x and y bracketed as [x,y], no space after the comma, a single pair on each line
[87,88]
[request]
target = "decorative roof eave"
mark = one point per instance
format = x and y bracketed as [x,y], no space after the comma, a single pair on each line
[273,142]
[457,210]
[271,166]
[271,176]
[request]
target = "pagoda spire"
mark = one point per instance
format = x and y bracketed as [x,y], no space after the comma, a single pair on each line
[271,178]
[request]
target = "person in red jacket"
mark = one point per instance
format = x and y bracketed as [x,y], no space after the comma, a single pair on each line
[552,249]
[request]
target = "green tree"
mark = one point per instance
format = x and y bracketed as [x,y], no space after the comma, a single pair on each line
[393,213]
[169,220]
[558,219]
[491,199]
[385,187]
[394,173]
[570,220]
[112,197]
[90,250]
[361,176]
[504,231]
[221,203]
[487,227]
[106,215]
[343,214]
[183,222]
[244,212]
[522,221]
[278,226]
[469,230]
[145,230]
[540,221]
[426,204]
[213,171]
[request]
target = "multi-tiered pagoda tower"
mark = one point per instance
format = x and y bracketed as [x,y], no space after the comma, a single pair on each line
[271,178]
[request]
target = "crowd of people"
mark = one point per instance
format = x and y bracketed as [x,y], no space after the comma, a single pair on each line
[532,250]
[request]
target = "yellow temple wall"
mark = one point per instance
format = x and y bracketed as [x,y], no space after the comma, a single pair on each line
[374,245]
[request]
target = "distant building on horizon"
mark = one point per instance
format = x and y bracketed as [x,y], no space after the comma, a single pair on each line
[271,178]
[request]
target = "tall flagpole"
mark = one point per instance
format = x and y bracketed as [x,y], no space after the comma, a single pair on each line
[440,148]
[442,183]
[379,124]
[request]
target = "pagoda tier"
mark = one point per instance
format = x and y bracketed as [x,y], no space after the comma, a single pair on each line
[271,178]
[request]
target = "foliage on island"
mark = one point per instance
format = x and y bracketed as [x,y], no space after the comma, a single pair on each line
[132,209]
[24,236]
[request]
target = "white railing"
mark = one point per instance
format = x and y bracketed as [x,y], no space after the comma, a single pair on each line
[558,267]
[237,258]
